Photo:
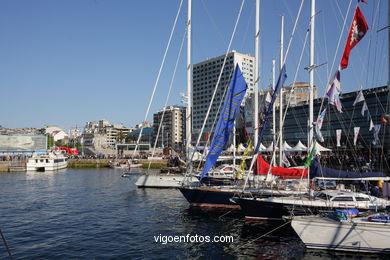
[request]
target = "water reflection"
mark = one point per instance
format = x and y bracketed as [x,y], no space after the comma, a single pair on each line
[99,214]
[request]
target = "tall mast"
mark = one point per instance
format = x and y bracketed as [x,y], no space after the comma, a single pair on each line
[256,87]
[388,43]
[189,73]
[311,73]
[273,106]
[281,95]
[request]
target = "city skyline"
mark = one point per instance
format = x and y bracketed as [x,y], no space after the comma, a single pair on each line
[65,63]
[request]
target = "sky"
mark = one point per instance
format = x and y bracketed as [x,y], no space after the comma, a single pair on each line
[68,62]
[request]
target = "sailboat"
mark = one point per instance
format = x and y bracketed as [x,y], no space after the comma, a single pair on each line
[275,208]
[369,233]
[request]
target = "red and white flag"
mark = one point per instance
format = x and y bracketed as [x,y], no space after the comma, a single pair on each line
[357,31]
[356,132]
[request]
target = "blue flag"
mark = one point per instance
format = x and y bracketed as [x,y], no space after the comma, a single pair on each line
[233,99]
[278,87]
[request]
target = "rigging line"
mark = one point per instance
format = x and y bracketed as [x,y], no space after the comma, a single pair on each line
[375,55]
[293,31]
[168,96]
[335,55]
[290,96]
[358,55]
[284,61]
[370,41]
[6,245]
[293,88]
[215,120]
[216,28]
[218,81]
[266,234]
[158,77]
[247,29]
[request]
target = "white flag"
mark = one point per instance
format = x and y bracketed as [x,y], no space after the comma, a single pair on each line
[333,91]
[359,98]
[375,138]
[338,137]
[320,119]
[268,98]
[371,125]
[356,131]
[364,108]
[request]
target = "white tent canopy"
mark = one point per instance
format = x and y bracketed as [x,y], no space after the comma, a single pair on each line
[270,148]
[320,148]
[262,147]
[230,149]
[241,148]
[300,147]
[286,146]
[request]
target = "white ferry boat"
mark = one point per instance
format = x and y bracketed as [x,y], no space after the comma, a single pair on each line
[49,162]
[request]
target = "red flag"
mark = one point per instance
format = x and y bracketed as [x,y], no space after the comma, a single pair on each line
[357,31]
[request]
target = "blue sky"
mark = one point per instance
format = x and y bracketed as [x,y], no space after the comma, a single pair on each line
[68,62]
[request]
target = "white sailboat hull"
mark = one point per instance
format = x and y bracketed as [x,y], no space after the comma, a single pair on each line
[161,181]
[358,235]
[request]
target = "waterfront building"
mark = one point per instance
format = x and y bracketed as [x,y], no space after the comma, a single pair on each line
[204,81]
[103,137]
[377,99]
[172,132]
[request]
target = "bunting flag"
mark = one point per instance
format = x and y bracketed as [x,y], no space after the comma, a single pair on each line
[310,157]
[356,132]
[282,77]
[357,31]
[371,125]
[334,90]
[233,99]
[375,137]
[318,126]
[320,119]
[338,137]
[359,98]
[364,108]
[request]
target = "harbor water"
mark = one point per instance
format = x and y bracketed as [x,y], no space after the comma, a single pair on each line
[97,214]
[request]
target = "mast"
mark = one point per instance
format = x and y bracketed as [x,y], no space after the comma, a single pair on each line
[256,87]
[311,74]
[189,74]
[273,106]
[281,96]
[388,43]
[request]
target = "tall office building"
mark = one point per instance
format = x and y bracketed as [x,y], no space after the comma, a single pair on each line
[205,78]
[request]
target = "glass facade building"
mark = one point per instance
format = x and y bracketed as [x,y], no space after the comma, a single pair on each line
[296,123]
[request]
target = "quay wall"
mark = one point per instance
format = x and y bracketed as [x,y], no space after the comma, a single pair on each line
[6,166]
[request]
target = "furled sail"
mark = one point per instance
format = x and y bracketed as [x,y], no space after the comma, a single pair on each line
[233,99]
[278,87]
[319,171]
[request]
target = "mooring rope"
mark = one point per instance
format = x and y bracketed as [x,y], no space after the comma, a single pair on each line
[6,245]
